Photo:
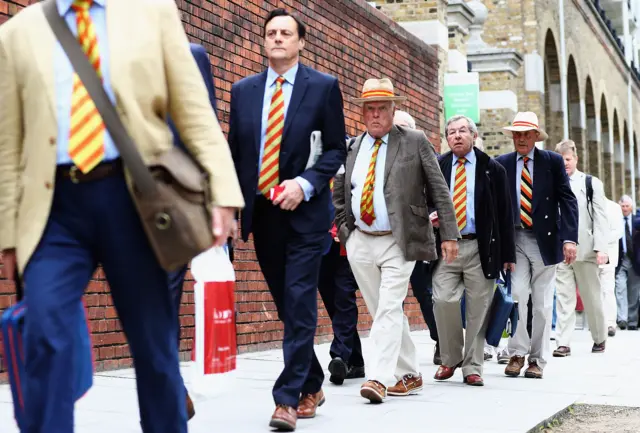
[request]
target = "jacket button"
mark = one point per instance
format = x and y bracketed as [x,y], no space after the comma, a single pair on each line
[48,185]
[546,216]
[549,234]
[52,140]
[492,240]
[547,198]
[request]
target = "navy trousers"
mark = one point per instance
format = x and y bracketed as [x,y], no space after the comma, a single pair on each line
[421,284]
[90,223]
[338,286]
[290,263]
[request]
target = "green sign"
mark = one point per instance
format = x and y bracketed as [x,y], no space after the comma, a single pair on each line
[461,95]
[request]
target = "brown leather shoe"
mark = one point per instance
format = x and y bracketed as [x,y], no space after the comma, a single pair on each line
[445,372]
[534,371]
[473,380]
[284,418]
[598,348]
[409,385]
[309,403]
[191,411]
[515,366]
[373,391]
[562,352]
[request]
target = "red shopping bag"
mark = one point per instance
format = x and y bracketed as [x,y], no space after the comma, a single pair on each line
[215,313]
[579,304]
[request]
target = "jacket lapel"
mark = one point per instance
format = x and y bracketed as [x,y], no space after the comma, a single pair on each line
[351,161]
[482,174]
[256,117]
[539,175]
[299,89]
[446,165]
[43,42]
[393,146]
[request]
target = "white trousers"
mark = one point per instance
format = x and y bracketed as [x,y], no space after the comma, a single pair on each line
[382,274]
[608,284]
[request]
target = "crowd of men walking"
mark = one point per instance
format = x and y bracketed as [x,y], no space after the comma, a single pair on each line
[375,213]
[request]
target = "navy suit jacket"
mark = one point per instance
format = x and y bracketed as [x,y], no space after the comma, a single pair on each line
[202,60]
[315,105]
[555,207]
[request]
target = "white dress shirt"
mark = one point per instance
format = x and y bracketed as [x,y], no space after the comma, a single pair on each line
[358,177]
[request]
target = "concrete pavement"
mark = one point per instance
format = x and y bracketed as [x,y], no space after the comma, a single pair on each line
[503,405]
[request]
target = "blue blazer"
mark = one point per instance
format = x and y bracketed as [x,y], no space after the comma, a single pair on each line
[316,105]
[555,207]
[202,60]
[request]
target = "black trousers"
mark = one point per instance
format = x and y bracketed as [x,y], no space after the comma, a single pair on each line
[421,283]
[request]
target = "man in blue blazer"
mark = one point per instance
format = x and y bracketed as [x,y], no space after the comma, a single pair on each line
[176,278]
[273,115]
[546,220]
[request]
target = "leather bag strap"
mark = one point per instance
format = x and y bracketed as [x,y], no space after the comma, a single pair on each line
[142,178]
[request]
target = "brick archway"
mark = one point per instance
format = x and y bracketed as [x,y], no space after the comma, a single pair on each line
[606,137]
[553,113]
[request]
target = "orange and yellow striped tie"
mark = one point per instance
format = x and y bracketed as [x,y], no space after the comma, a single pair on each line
[86,136]
[367,215]
[526,195]
[270,171]
[460,194]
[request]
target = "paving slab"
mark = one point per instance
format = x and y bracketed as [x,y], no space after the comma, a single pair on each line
[243,403]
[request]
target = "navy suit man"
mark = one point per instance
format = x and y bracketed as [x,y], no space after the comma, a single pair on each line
[273,115]
[176,278]
[546,219]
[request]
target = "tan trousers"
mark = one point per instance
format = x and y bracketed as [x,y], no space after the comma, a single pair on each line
[586,277]
[455,345]
[382,274]
[608,284]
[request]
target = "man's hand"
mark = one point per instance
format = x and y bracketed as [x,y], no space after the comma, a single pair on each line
[570,252]
[602,258]
[449,251]
[510,267]
[433,217]
[291,196]
[9,263]
[225,225]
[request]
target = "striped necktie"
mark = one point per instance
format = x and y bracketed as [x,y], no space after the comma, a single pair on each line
[460,194]
[270,170]
[367,214]
[526,195]
[86,135]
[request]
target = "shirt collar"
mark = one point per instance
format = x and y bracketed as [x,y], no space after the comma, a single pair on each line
[65,5]
[289,76]
[529,155]
[470,157]
[576,175]
[372,141]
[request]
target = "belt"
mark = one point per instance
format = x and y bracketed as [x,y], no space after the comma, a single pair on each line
[101,171]
[470,237]
[379,233]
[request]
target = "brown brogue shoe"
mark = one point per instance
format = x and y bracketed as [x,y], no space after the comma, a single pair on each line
[598,348]
[408,385]
[309,403]
[562,352]
[534,371]
[284,418]
[445,372]
[515,366]
[373,391]
[473,380]
[191,410]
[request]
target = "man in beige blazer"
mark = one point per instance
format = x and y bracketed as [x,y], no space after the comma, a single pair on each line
[64,200]
[593,246]
[615,219]
[382,218]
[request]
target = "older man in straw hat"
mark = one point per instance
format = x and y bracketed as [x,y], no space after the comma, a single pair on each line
[540,192]
[383,221]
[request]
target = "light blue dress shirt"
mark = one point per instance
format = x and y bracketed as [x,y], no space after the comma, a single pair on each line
[64,77]
[287,90]
[627,224]
[358,178]
[470,167]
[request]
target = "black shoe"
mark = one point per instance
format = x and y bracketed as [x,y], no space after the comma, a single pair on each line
[612,331]
[338,369]
[622,324]
[633,327]
[436,355]
[355,372]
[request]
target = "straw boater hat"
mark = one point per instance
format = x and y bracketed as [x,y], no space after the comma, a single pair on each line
[525,121]
[375,90]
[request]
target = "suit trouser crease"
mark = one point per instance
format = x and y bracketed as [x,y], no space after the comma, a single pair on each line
[382,274]
[449,283]
[532,276]
[608,284]
[586,277]
[290,262]
[628,292]
[91,223]
[338,287]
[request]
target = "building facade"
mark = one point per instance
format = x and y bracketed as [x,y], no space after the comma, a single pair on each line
[573,62]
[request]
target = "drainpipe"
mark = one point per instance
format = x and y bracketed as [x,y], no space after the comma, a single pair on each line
[563,74]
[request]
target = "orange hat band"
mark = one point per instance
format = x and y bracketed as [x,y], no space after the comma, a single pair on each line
[523,123]
[377,93]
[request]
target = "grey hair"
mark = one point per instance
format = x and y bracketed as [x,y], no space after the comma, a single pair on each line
[626,199]
[404,116]
[472,124]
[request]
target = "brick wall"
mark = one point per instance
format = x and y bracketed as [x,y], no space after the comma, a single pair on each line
[347,38]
